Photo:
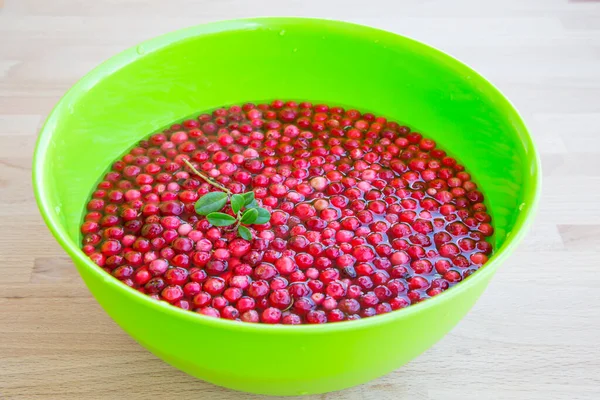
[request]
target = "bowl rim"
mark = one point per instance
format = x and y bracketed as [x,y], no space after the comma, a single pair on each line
[532,173]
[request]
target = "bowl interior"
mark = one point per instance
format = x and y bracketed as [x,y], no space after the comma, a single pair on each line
[174,76]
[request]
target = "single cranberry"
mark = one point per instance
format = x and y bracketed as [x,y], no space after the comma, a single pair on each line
[291,319]
[271,315]
[349,306]
[316,317]
[258,289]
[303,305]
[209,312]
[172,293]
[363,253]
[280,299]
[214,285]
[285,265]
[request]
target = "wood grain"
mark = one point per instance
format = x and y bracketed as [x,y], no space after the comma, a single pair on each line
[533,335]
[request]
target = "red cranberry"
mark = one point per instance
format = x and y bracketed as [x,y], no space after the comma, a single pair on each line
[280,299]
[316,317]
[172,293]
[349,306]
[271,315]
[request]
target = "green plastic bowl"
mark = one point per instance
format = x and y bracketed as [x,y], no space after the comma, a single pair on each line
[173,76]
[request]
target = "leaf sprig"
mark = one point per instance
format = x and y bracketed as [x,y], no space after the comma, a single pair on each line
[243,205]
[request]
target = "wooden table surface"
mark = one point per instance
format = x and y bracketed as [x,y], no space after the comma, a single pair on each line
[535,333]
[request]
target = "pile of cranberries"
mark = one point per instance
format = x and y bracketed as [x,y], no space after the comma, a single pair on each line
[367,217]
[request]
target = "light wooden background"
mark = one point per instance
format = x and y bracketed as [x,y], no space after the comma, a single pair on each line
[535,333]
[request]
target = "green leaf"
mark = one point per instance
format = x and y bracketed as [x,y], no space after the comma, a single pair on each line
[252,204]
[264,216]
[211,202]
[244,233]
[220,219]
[249,216]
[248,197]
[237,202]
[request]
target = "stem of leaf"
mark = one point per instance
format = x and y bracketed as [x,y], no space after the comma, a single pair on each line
[239,220]
[206,178]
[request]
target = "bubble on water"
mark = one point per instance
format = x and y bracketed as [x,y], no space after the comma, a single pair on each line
[295,50]
[282,32]
[521,206]
[140,50]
